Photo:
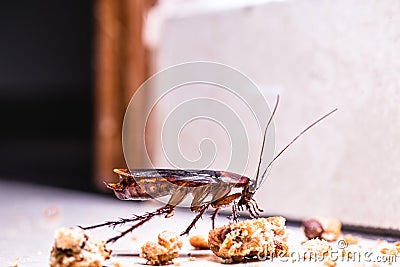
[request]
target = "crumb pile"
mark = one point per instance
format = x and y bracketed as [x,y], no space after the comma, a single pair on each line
[75,248]
[167,249]
[263,237]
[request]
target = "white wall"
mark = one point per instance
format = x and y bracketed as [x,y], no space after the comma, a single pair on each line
[317,55]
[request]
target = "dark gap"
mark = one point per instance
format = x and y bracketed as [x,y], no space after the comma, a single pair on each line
[46,93]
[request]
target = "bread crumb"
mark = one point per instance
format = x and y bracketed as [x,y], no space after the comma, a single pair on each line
[118,264]
[315,249]
[330,263]
[258,238]
[163,252]
[74,247]
[350,239]
[15,263]
[391,251]
[192,258]
[176,262]
[348,253]
[332,229]
[199,242]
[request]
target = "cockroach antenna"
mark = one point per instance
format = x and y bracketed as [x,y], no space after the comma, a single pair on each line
[295,138]
[265,138]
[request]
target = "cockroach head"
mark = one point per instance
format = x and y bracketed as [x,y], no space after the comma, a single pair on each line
[247,193]
[252,187]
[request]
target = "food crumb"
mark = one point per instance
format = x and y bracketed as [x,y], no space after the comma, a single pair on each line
[261,238]
[192,258]
[74,247]
[118,264]
[328,229]
[315,249]
[176,262]
[350,239]
[312,228]
[329,263]
[165,251]
[348,254]
[199,242]
[15,263]
[391,250]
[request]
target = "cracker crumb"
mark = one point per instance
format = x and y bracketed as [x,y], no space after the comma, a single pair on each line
[155,254]
[258,238]
[118,264]
[15,263]
[330,263]
[332,229]
[176,262]
[74,247]
[391,251]
[348,253]
[350,239]
[163,252]
[199,242]
[315,249]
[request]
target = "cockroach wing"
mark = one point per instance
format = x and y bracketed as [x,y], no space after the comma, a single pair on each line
[142,184]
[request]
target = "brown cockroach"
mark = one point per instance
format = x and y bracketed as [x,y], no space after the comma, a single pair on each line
[208,188]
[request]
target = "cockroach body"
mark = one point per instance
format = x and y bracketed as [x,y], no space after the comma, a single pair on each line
[207,187]
[142,184]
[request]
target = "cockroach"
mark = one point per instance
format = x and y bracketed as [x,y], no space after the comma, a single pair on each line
[208,188]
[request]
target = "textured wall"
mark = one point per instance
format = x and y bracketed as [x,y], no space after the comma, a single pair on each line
[317,55]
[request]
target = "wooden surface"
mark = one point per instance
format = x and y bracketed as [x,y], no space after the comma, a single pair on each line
[121,66]
[108,88]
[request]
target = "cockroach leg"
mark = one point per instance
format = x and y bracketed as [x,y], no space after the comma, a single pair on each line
[240,208]
[255,211]
[252,215]
[96,225]
[225,201]
[213,217]
[234,213]
[130,229]
[113,224]
[256,205]
[167,210]
[198,216]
